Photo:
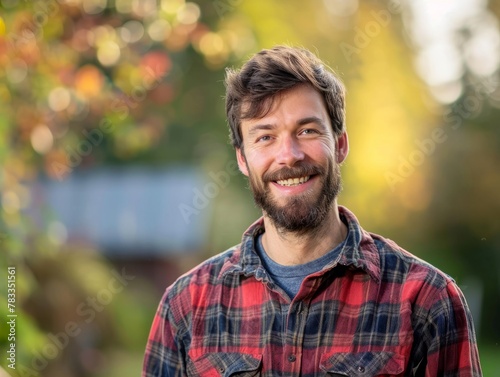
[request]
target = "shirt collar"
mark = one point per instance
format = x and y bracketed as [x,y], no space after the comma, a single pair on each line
[359,250]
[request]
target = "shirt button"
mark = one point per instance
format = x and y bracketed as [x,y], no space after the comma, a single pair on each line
[361,369]
[292,358]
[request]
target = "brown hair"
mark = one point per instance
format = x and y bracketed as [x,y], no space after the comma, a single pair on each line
[271,72]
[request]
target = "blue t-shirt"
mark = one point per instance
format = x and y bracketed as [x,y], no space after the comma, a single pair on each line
[289,278]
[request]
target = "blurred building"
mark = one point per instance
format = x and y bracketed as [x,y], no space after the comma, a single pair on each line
[142,218]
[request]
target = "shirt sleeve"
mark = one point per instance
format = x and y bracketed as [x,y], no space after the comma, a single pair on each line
[450,337]
[164,356]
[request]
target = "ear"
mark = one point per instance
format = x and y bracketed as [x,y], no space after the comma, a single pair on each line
[240,157]
[342,145]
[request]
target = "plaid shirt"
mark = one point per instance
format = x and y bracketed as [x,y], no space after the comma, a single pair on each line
[376,310]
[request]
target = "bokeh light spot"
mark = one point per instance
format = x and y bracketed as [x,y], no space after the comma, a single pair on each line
[155,64]
[482,50]
[59,99]
[88,81]
[188,14]
[16,70]
[447,93]
[171,6]
[41,139]
[144,8]
[211,44]
[440,62]
[101,34]
[108,53]
[94,6]
[123,6]
[131,31]
[159,30]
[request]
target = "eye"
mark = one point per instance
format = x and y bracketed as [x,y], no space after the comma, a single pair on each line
[309,131]
[264,138]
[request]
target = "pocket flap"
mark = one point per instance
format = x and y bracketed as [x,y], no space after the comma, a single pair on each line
[363,364]
[225,364]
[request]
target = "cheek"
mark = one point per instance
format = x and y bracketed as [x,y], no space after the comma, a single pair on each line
[259,163]
[321,152]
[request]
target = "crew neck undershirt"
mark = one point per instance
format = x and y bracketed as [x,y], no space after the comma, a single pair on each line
[290,278]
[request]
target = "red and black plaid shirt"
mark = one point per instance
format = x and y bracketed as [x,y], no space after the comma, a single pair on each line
[376,310]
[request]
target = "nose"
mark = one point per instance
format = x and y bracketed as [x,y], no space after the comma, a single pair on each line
[289,151]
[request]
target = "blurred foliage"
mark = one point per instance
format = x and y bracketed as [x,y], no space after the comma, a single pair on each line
[91,82]
[82,84]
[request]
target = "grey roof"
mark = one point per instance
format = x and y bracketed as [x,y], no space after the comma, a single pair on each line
[129,211]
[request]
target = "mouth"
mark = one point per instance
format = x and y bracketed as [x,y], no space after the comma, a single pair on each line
[293,181]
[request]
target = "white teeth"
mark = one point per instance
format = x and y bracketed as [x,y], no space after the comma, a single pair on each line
[293,181]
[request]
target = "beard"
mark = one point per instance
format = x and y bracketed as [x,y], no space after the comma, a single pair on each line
[301,213]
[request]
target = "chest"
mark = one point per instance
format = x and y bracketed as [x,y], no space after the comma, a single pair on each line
[327,325]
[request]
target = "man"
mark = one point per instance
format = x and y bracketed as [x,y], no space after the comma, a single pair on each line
[308,292]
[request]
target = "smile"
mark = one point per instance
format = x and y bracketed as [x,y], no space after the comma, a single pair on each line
[293,181]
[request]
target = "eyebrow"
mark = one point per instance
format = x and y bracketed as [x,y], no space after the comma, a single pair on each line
[311,119]
[258,127]
[266,127]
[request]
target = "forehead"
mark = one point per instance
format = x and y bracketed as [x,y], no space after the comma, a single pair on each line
[298,102]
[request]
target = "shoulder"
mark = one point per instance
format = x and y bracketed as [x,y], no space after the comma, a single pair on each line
[387,261]
[431,295]
[400,266]
[194,286]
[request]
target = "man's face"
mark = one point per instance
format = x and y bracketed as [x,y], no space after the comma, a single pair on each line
[292,160]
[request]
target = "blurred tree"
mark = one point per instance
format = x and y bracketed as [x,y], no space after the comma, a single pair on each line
[84,83]
[461,218]
[465,201]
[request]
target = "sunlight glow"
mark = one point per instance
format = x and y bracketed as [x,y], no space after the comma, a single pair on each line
[453,35]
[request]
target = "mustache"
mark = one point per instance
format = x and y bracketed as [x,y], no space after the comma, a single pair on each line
[301,170]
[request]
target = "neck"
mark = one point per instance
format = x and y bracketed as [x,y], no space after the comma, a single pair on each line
[289,248]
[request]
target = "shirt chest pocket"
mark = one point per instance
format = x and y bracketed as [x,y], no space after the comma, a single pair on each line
[225,365]
[363,364]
